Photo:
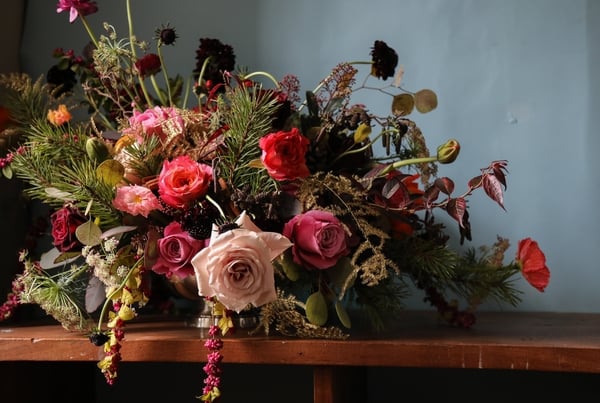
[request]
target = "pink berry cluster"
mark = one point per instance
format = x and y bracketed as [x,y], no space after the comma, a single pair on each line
[212,382]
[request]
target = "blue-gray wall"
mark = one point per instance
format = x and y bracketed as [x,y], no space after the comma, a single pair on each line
[515,81]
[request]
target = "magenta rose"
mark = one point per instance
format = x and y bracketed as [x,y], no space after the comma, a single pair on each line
[64,223]
[175,251]
[283,154]
[183,180]
[319,238]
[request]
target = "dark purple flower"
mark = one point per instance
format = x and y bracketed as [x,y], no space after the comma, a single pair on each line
[385,60]
[221,59]
[148,65]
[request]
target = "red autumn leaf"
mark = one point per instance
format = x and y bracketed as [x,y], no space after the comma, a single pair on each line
[395,193]
[457,208]
[493,188]
[431,194]
[499,169]
[445,185]
[476,182]
[532,261]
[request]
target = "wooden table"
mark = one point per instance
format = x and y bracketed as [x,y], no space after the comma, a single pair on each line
[553,342]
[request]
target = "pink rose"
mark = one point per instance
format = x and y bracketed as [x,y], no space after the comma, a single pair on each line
[237,267]
[175,251]
[283,154]
[183,180]
[64,223]
[152,122]
[319,238]
[136,200]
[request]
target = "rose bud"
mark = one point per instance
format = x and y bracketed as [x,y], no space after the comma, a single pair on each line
[447,152]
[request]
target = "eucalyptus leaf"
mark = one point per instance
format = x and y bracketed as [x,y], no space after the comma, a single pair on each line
[95,294]
[343,314]
[403,104]
[7,171]
[426,100]
[110,172]
[316,309]
[59,194]
[89,233]
[48,259]
[121,229]
[65,257]
[289,267]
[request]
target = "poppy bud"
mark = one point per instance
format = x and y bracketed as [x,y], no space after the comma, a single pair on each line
[447,152]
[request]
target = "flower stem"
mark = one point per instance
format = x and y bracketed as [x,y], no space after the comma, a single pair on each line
[165,74]
[116,290]
[410,161]
[132,41]
[264,74]
[89,30]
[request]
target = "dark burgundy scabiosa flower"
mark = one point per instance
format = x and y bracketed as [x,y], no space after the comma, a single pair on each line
[148,65]
[221,59]
[62,79]
[76,7]
[166,35]
[385,60]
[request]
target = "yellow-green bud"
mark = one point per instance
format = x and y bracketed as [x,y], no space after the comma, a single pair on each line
[447,152]
[96,149]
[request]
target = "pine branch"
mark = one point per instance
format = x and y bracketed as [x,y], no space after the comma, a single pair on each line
[248,117]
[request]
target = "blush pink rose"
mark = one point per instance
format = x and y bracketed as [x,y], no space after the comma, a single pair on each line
[319,238]
[236,267]
[136,200]
[175,251]
[283,154]
[183,180]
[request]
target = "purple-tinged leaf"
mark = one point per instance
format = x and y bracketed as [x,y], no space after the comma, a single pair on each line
[493,188]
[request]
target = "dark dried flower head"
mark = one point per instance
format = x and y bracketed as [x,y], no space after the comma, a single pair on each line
[62,79]
[221,58]
[166,35]
[385,60]
[148,65]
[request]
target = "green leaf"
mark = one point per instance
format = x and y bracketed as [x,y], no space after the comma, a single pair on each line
[340,273]
[290,268]
[343,314]
[89,233]
[110,172]
[7,171]
[316,309]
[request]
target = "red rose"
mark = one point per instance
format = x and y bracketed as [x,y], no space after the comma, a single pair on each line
[183,180]
[64,223]
[283,154]
[319,239]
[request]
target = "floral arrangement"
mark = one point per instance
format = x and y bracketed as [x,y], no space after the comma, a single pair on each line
[232,186]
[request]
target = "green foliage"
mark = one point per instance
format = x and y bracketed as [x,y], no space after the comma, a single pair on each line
[248,116]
